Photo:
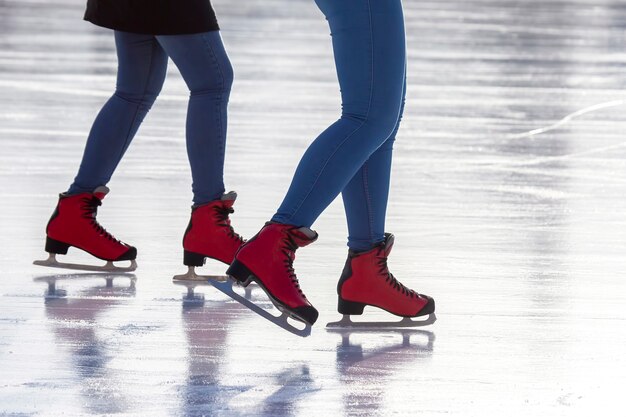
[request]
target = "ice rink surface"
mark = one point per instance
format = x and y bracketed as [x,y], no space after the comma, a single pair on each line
[508,203]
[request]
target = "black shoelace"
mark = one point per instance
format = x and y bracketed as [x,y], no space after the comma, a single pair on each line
[288,250]
[384,270]
[90,212]
[222,216]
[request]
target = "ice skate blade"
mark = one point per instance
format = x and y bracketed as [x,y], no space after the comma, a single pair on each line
[108,267]
[192,276]
[280,321]
[347,323]
[191,280]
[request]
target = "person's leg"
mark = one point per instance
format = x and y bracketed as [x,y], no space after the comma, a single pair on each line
[141,70]
[142,65]
[368,43]
[365,197]
[369,48]
[366,279]
[206,69]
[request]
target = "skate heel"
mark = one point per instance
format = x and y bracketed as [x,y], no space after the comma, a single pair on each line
[350,307]
[54,246]
[193,259]
[240,272]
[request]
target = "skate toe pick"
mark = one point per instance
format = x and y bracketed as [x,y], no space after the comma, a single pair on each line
[129,255]
[307,313]
[429,308]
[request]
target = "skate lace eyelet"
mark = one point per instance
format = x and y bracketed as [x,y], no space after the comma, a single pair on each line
[222,214]
[391,280]
[90,211]
[289,251]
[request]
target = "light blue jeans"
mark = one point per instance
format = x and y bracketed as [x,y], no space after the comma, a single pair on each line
[353,156]
[142,65]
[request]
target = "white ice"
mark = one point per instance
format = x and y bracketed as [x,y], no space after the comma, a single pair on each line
[514,221]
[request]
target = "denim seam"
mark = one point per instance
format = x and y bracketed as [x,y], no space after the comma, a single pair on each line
[369,108]
[207,44]
[222,138]
[219,68]
[368,203]
[370,213]
[316,180]
[143,97]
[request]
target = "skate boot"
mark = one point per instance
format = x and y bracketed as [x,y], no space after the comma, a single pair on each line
[210,235]
[366,281]
[267,259]
[74,223]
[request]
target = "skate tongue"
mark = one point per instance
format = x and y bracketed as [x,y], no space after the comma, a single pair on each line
[389,239]
[304,235]
[229,196]
[101,192]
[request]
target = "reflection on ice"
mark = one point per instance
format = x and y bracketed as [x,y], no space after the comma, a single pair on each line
[209,391]
[507,201]
[54,292]
[74,323]
[402,349]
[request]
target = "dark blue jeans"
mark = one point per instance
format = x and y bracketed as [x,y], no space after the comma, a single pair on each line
[142,65]
[353,156]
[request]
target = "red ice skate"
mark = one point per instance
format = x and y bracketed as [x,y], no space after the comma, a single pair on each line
[210,235]
[74,223]
[366,281]
[267,259]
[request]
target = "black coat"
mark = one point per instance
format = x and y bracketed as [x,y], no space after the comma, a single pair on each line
[153,17]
